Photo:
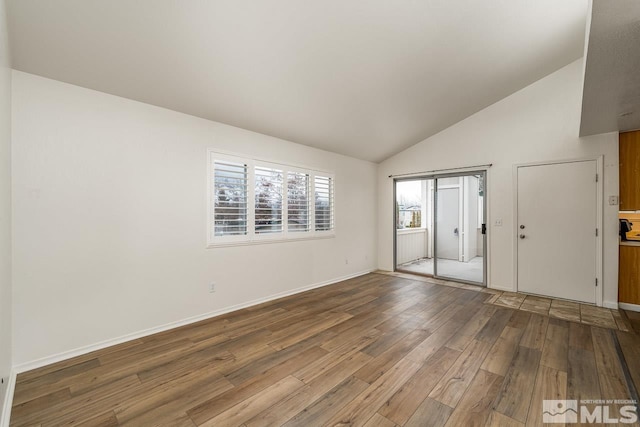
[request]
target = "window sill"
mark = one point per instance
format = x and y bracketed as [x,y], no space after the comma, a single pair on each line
[270,241]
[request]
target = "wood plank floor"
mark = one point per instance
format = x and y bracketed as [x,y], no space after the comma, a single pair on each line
[376,350]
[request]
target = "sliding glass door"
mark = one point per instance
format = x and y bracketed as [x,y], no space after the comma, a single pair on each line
[414,226]
[440,226]
[459,228]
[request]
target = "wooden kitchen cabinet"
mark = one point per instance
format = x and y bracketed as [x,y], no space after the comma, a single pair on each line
[630,171]
[629,275]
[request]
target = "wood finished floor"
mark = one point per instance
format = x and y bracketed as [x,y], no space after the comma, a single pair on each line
[377,350]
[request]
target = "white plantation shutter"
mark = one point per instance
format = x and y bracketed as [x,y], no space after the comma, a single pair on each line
[252,201]
[298,215]
[229,198]
[323,203]
[268,200]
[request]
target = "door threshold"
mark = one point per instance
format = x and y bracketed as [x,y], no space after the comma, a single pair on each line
[444,279]
[414,273]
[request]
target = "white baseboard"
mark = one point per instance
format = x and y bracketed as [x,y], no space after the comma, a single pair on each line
[48,360]
[610,304]
[630,307]
[5,416]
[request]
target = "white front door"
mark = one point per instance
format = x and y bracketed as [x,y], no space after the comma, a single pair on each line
[557,220]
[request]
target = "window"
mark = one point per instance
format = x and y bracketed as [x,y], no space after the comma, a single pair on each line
[268,208]
[324,203]
[298,202]
[230,199]
[252,200]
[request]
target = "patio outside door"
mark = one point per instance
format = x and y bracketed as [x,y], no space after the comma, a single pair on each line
[439,226]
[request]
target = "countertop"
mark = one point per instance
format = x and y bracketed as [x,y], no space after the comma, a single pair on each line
[630,243]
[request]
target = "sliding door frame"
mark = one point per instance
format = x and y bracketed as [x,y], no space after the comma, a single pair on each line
[435,177]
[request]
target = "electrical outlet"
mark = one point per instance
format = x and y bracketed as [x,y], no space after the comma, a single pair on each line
[346,260]
[498,223]
[212,287]
[613,200]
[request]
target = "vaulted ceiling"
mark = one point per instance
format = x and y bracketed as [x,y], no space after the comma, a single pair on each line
[365,78]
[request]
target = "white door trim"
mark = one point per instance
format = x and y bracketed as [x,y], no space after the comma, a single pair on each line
[599,218]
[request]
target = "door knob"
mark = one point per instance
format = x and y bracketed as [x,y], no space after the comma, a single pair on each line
[522,236]
[522,227]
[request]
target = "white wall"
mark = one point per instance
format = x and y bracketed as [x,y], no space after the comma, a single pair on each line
[538,123]
[109,219]
[5,206]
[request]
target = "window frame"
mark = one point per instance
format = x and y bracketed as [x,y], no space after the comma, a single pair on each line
[250,237]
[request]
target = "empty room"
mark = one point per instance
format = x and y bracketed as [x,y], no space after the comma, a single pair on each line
[337,213]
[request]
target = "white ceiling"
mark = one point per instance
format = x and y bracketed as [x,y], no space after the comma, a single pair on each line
[365,78]
[611,97]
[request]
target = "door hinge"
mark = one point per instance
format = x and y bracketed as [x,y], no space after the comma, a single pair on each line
[596,282]
[596,177]
[596,232]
